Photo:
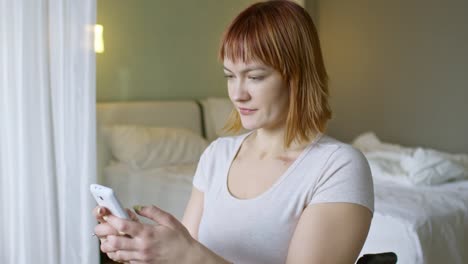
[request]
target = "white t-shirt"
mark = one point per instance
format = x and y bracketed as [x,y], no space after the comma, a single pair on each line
[259,230]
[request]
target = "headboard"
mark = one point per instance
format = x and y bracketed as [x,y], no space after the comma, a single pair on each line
[183,114]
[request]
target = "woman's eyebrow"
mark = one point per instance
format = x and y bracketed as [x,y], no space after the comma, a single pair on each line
[252,68]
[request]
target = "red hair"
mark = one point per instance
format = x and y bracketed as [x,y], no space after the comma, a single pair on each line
[281,34]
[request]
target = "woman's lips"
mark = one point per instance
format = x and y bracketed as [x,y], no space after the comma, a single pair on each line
[246,111]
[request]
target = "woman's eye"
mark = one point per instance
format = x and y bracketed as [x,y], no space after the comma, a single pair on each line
[256,78]
[228,76]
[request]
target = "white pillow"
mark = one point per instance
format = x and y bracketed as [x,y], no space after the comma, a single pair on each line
[420,166]
[369,142]
[144,147]
[431,167]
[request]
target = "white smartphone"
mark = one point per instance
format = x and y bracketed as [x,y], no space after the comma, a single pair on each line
[105,197]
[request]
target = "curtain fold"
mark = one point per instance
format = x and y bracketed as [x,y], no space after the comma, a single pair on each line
[47,131]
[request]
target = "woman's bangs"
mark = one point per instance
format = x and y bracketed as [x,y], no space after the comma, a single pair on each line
[238,47]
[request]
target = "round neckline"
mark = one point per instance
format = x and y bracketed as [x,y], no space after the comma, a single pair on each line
[280,179]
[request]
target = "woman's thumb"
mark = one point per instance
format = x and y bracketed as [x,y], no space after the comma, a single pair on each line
[157,215]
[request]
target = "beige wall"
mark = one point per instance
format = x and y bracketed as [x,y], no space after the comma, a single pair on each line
[162,49]
[399,68]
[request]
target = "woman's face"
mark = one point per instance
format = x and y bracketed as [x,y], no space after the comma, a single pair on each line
[259,94]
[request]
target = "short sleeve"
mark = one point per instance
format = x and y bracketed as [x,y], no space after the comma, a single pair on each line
[346,177]
[201,179]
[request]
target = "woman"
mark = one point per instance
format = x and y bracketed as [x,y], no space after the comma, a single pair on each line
[282,193]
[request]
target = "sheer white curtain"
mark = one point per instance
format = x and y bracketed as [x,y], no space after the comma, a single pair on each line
[47,131]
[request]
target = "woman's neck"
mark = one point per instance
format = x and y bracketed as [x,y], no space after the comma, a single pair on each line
[272,142]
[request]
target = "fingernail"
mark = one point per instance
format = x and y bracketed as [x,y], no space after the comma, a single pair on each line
[99,210]
[105,218]
[137,208]
[122,233]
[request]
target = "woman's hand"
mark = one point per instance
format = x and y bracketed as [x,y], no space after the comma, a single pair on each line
[103,228]
[130,241]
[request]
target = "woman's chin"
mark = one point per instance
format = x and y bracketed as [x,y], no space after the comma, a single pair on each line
[249,126]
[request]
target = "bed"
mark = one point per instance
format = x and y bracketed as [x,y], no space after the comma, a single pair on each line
[421,202]
[422,224]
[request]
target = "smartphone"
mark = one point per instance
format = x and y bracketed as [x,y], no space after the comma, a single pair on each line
[105,197]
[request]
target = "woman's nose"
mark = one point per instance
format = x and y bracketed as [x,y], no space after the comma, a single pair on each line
[239,91]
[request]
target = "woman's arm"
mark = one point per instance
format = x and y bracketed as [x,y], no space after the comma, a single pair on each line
[330,233]
[193,212]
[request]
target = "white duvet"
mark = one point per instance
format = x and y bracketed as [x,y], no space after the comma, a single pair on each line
[421,202]
[421,224]
[414,166]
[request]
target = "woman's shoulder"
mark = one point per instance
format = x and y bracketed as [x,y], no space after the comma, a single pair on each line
[345,175]
[339,151]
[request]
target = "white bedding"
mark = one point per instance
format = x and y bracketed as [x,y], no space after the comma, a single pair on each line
[421,202]
[421,224]
[411,166]
[168,188]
